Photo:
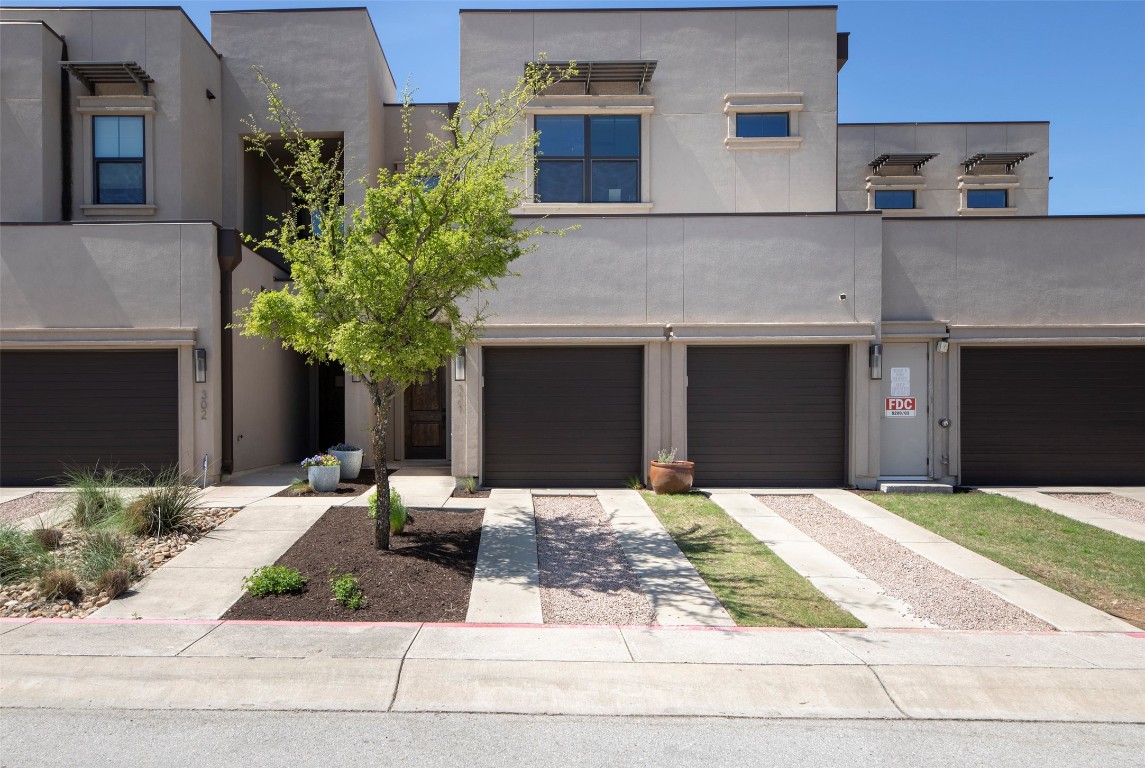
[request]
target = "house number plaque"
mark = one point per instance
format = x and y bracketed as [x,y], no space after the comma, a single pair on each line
[203,407]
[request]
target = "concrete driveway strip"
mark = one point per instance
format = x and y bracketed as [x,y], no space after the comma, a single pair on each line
[204,580]
[1061,611]
[830,574]
[1074,511]
[507,584]
[678,594]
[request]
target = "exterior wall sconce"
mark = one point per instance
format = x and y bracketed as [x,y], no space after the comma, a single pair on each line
[200,366]
[876,362]
[459,365]
[943,346]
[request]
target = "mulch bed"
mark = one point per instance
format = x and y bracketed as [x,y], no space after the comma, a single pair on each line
[426,576]
[363,482]
[461,493]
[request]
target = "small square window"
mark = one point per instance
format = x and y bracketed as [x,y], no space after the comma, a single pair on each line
[890,199]
[765,125]
[986,198]
[117,155]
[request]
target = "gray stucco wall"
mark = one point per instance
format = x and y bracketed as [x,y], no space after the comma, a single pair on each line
[29,122]
[1028,272]
[859,144]
[702,55]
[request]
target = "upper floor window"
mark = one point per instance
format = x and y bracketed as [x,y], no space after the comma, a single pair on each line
[762,125]
[117,158]
[890,199]
[588,159]
[986,198]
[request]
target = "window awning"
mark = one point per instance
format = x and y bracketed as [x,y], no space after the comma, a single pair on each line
[588,72]
[1008,159]
[91,72]
[913,161]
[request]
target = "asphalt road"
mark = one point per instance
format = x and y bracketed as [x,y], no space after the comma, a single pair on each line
[202,739]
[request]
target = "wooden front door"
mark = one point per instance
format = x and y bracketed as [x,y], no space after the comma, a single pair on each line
[425,418]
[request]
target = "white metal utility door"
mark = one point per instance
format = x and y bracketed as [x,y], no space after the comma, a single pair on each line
[904,404]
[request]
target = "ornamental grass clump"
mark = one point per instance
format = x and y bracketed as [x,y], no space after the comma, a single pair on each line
[164,507]
[100,552]
[399,515]
[97,496]
[19,554]
[48,538]
[58,583]
[113,582]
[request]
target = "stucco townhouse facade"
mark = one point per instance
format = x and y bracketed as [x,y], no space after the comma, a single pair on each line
[783,299]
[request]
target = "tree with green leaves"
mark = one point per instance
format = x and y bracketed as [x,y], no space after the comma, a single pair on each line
[378,288]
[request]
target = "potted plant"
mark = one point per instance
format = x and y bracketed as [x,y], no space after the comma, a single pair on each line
[323,472]
[351,458]
[670,476]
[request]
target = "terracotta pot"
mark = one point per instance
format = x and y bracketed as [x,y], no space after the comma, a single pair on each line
[671,476]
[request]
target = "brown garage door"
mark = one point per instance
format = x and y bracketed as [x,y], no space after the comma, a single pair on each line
[1062,416]
[563,416]
[61,409]
[767,416]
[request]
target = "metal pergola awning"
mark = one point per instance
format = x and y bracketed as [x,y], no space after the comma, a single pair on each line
[914,161]
[1008,159]
[91,72]
[588,72]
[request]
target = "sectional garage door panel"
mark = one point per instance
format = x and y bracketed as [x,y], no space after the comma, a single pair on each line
[61,409]
[1053,415]
[563,417]
[767,416]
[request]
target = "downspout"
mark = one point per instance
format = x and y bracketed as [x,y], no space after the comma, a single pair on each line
[65,139]
[230,255]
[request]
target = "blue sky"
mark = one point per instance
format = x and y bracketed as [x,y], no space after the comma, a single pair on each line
[1079,65]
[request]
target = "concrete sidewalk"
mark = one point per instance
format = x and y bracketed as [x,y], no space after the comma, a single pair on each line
[607,670]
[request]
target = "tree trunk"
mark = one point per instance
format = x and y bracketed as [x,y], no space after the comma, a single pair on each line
[381,395]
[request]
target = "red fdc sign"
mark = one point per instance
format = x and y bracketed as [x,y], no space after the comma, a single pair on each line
[900,407]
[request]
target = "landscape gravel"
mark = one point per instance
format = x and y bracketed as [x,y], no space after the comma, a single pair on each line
[585,578]
[1118,506]
[29,506]
[931,591]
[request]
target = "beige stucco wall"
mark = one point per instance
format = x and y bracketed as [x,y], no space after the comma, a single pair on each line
[271,386]
[122,286]
[859,144]
[702,55]
[29,122]
[183,140]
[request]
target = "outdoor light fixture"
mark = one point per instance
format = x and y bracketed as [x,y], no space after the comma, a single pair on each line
[200,366]
[459,365]
[876,362]
[943,346]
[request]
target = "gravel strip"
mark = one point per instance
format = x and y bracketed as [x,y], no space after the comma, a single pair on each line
[932,592]
[29,506]
[585,578]
[1118,506]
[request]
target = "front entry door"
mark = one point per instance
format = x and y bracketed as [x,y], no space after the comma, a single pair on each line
[425,418]
[904,416]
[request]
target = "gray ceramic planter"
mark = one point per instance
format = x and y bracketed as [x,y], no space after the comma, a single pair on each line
[351,462]
[323,479]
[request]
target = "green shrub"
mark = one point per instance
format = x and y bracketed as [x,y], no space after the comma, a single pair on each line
[274,580]
[101,551]
[57,583]
[348,591]
[96,495]
[164,507]
[19,554]
[399,515]
[471,484]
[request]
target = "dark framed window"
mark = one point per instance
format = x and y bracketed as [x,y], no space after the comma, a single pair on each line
[587,159]
[762,125]
[889,199]
[117,157]
[986,198]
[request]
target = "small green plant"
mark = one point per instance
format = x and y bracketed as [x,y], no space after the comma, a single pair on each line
[471,484]
[399,515]
[634,482]
[299,487]
[274,580]
[347,590]
[101,551]
[666,456]
[19,554]
[114,582]
[57,583]
[97,495]
[164,507]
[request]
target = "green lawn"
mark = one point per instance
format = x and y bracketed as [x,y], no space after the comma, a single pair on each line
[757,588]
[1093,565]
